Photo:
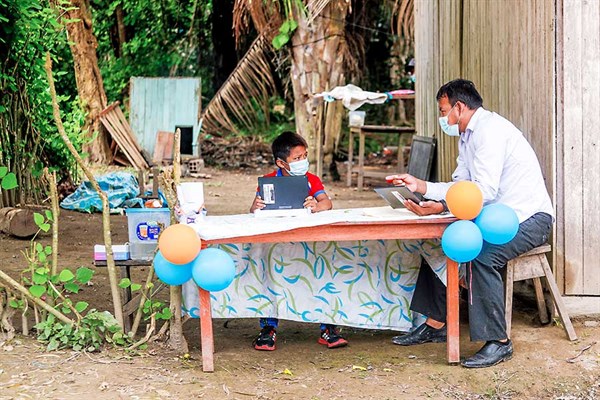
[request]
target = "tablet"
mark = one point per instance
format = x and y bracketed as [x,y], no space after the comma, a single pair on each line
[396,195]
[283,192]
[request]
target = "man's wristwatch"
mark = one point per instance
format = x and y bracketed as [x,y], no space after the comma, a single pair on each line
[446,211]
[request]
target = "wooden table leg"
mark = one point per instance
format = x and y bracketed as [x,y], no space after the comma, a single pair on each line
[206,331]
[350,157]
[453,345]
[361,159]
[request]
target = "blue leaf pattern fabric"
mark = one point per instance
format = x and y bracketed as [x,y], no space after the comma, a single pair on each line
[364,284]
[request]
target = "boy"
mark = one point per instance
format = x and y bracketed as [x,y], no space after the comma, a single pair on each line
[291,158]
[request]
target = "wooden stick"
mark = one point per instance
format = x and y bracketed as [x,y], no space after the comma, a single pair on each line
[17,286]
[143,298]
[55,213]
[110,261]
[176,339]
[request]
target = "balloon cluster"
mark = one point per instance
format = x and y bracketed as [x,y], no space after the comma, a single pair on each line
[179,259]
[463,240]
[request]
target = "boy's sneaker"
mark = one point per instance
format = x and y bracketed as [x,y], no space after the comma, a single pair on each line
[266,339]
[330,337]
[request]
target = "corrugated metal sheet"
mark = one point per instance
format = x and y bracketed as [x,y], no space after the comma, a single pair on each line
[159,104]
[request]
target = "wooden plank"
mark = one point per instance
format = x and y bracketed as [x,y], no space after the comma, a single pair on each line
[115,135]
[127,143]
[559,230]
[120,136]
[590,79]
[163,149]
[573,146]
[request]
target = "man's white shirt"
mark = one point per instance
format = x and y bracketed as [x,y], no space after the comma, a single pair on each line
[495,155]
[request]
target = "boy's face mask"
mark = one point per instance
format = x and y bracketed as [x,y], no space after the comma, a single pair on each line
[298,168]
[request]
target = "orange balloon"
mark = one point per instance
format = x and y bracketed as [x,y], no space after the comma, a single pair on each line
[179,244]
[464,200]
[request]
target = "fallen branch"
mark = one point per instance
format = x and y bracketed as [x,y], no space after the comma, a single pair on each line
[17,286]
[586,348]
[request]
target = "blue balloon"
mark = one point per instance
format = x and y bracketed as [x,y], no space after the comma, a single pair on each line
[462,241]
[169,273]
[213,269]
[498,223]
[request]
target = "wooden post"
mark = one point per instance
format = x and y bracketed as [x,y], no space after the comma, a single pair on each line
[452,321]
[206,331]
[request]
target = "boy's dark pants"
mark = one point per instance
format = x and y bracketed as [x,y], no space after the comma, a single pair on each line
[484,280]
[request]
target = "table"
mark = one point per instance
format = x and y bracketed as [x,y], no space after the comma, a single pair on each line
[405,229]
[362,132]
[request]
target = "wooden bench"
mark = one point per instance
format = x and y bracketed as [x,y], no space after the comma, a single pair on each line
[534,265]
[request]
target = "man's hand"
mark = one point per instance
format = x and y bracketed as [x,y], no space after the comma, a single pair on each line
[424,207]
[412,183]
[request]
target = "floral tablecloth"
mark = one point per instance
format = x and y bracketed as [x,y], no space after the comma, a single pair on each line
[366,284]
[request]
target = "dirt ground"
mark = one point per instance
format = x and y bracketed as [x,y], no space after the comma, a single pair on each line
[545,366]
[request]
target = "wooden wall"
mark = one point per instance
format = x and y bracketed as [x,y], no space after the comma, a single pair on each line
[536,62]
[578,146]
[506,49]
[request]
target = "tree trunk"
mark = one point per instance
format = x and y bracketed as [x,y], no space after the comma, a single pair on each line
[121,31]
[89,81]
[317,65]
[17,222]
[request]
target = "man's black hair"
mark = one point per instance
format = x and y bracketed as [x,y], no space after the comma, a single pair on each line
[284,143]
[461,90]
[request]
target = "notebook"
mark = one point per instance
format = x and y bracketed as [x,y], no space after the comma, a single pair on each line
[283,192]
[395,195]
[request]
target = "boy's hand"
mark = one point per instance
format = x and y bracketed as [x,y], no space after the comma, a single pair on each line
[310,202]
[257,204]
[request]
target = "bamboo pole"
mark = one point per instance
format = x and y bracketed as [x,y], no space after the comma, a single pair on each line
[110,262]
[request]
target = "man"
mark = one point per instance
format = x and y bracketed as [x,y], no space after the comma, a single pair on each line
[494,154]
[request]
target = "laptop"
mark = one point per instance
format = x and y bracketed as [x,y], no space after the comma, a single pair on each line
[395,195]
[283,192]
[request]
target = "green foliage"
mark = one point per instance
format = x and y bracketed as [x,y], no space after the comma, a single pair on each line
[286,30]
[165,38]
[8,180]
[95,329]
[90,331]
[30,140]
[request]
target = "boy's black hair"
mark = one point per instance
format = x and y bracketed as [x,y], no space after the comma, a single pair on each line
[284,143]
[461,90]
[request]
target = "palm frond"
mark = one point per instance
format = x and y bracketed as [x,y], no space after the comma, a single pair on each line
[232,104]
[265,16]
[314,8]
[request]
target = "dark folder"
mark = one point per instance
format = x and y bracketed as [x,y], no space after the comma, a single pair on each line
[283,192]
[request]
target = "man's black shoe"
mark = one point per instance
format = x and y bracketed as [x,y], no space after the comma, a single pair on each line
[423,334]
[492,353]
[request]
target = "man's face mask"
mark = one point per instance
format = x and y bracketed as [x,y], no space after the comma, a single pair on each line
[450,130]
[298,168]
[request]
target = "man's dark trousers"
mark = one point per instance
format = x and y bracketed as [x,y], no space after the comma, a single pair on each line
[484,280]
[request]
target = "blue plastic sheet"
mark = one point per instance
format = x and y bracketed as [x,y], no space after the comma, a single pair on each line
[121,188]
